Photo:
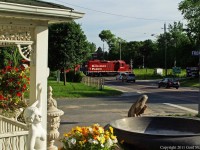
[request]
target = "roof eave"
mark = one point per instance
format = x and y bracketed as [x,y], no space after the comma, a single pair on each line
[38,13]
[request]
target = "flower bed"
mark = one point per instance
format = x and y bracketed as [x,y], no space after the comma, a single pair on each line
[90,138]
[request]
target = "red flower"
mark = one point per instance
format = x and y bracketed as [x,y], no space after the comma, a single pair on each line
[16,69]
[14,82]
[8,67]
[24,86]
[1,97]
[19,94]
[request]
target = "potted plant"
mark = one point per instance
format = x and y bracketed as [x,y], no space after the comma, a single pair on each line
[92,137]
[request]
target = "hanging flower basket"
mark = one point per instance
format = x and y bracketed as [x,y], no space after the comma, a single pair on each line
[14,82]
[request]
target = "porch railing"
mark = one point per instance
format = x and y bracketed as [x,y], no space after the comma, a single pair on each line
[13,134]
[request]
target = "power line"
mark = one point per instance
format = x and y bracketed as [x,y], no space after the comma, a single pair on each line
[118,15]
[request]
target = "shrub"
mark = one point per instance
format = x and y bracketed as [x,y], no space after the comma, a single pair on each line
[78,76]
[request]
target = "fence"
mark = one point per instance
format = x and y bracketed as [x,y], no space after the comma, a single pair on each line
[13,134]
[94,82]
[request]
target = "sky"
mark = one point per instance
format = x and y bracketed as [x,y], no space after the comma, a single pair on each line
[131,20]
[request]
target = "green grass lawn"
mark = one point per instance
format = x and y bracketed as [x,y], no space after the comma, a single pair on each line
[190,83]
[146,73]
[76,90]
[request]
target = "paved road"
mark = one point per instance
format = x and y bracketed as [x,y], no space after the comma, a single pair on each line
[102,110]
[186,97]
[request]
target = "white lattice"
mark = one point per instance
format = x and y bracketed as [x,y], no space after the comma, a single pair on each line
[19,36]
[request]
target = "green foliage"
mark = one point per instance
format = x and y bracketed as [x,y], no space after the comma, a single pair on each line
[146,73]
[10,56]
[190,82]
[176,43]
[113,43]
[107,36]
[75,90]
[53,75]
[68,46]
[191,12]
[74,77]
[78,76]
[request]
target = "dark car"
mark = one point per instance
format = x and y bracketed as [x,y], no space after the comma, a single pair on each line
[169,82]
[128,77]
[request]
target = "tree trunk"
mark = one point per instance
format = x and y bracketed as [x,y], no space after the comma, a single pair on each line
[64,73]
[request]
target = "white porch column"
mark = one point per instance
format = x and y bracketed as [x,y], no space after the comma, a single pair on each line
[39,70]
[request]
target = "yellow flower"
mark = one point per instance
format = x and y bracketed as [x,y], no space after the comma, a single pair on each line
[78,129]
[113,137]
[101,130]
[88,137]
[101,139]
[111,129]
[65,134]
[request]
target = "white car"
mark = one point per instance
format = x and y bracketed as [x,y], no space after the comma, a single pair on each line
[120,75]
[129,77]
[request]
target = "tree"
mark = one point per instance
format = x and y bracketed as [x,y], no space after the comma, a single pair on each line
[146,50]
[114,44]
[100,54]
[107,36]
[179,47]
[191,12]
[68,46]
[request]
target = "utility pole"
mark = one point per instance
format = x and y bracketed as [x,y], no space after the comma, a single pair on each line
[165,49]
[143,61]
[120,56]
[199,84]
[103,50]
[131,63]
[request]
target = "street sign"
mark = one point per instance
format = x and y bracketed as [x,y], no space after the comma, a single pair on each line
[195,53]
[176,70]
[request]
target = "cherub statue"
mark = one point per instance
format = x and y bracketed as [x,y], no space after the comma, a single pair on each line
[138,107]
[33,118]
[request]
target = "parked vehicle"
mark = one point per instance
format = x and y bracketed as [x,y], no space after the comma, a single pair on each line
[105,67]
[169,82]
[120,75]
[129,77]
